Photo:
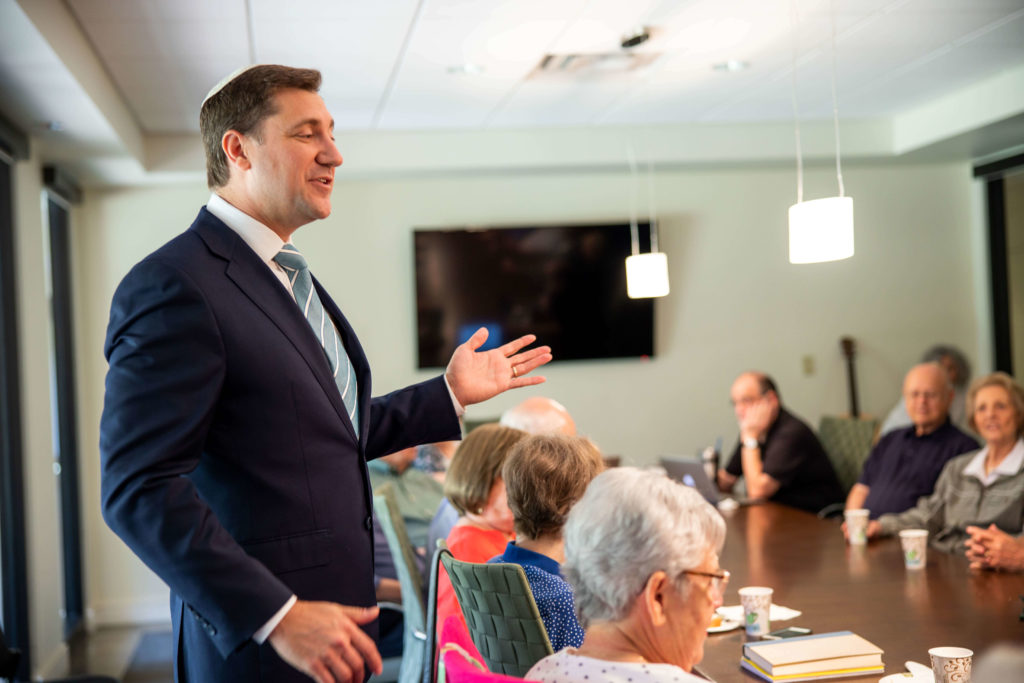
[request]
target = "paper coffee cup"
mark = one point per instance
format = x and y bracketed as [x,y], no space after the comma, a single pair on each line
[951,664]
[757,603]
[857,525]
[915,547]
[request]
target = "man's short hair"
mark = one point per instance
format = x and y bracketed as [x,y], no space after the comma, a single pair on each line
[242,104]
[766,384]
[963,367]
[544,476]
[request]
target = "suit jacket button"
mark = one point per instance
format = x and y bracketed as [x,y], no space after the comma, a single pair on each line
[369,523]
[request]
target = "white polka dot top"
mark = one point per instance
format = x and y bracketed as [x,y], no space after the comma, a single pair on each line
[567,667]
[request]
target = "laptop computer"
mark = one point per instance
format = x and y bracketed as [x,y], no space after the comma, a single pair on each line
[690,472]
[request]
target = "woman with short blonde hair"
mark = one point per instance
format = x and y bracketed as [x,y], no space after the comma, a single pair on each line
[475,488]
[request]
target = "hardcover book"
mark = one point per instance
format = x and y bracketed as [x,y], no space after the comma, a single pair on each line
[808,658]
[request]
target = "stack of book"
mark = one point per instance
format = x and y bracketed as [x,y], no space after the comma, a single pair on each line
[812,658]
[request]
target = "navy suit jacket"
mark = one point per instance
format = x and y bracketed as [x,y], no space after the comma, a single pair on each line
[229,464]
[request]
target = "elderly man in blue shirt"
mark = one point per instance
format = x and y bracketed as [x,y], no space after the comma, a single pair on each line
[905,464]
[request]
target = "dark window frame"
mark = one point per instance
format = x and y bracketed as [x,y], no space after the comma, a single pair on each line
[65,414]
[992,175]
[12,503]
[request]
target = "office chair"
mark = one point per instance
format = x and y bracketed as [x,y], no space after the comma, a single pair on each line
[501,614]
[847,440]
[411,581]
[460,661]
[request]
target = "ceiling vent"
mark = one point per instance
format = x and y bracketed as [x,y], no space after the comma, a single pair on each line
[596,66]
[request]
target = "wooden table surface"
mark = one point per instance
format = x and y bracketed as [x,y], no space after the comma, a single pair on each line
[864,589]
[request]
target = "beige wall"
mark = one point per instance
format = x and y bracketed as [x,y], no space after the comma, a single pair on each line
[42,504]
[736,302]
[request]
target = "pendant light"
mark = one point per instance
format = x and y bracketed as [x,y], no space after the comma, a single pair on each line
[819,230]
[646,274]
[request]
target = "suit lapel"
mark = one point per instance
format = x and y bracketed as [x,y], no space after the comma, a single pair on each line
[253,277]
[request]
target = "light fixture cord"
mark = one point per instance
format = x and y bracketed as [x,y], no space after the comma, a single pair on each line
[653,228]
[634,231]
[835,102]
[794,24]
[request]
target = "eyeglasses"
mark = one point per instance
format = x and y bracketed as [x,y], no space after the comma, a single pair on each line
[718,581]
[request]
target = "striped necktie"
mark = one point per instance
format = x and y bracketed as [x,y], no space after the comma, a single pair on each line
[306,297]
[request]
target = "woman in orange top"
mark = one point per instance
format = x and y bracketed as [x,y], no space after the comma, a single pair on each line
[475,488]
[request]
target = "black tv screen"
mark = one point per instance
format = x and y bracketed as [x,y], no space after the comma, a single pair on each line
[566,284]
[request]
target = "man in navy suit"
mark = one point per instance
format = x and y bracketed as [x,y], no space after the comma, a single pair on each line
[235,429]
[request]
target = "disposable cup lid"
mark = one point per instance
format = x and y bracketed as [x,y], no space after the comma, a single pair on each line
[947,651]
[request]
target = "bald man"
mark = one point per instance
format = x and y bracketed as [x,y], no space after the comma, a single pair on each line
[539,415]
[905,463]
[778,455]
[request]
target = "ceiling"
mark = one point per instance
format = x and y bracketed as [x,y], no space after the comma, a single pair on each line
[112,87]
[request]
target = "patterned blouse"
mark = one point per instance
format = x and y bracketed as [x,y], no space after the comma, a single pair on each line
[551,592]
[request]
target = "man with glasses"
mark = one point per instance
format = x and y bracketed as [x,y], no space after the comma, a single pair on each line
[778,455]
[905,463]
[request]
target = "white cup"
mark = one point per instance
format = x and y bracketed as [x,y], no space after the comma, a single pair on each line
[951,664]
[757,603]
[915,547]
[857,525]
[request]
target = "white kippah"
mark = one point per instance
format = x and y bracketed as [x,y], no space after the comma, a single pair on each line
[227,79]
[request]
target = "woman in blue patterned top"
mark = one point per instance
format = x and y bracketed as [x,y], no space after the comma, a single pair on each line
[544,476]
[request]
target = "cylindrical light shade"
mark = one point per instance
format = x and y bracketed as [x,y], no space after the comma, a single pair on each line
[821,230]
[647,275]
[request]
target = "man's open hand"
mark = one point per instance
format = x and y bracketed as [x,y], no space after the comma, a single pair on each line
[476,376]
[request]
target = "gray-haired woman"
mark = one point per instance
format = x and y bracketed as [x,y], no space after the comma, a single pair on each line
[642,558]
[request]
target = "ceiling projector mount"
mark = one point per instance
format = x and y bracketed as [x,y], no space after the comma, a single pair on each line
[638,36]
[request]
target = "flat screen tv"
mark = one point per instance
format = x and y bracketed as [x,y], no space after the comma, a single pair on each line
[564,283]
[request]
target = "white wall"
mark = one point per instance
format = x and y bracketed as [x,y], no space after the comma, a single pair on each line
[117,228]
[736,302]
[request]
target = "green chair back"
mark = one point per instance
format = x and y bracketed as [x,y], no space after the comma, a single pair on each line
[847,440]
[411,581]
[501,614]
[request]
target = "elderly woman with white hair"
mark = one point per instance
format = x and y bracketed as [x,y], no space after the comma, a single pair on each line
[642,558]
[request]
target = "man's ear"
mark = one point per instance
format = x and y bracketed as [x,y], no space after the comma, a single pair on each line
[235,146]
[655,597]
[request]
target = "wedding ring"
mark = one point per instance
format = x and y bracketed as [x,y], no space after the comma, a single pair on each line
[514,373]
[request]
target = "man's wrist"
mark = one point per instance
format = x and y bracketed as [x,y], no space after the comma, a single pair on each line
[460,409]
[261,635]
[750,442]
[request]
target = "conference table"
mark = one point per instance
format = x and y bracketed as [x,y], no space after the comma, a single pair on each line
[864,589]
